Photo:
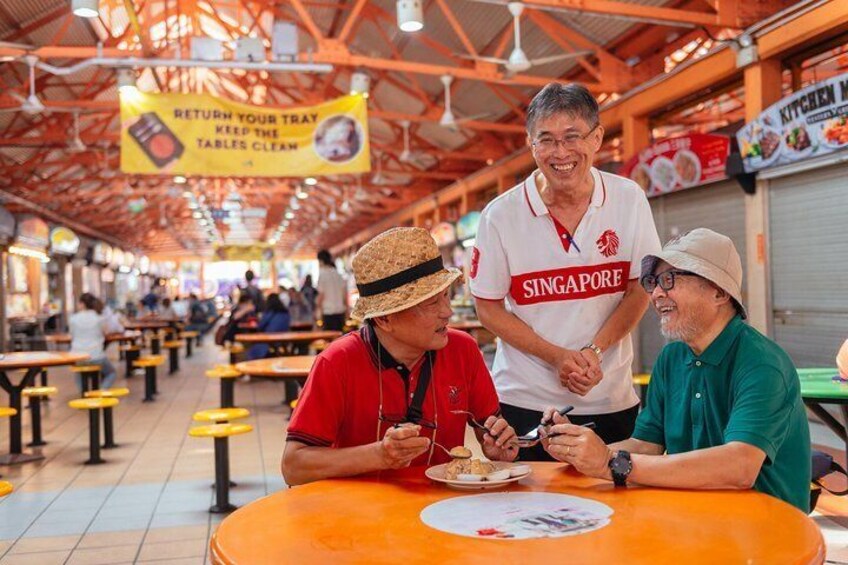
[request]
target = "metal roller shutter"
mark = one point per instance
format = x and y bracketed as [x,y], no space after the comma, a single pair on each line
[809,271]
[719,207]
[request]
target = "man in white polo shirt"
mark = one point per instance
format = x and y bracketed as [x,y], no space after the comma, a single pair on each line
[555,273]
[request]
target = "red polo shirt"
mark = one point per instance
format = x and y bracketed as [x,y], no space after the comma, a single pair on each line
[339,405]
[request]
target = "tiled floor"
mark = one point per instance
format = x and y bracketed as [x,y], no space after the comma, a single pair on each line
[149,502]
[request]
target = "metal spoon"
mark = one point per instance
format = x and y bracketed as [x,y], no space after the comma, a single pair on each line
[453,455]
[471,420]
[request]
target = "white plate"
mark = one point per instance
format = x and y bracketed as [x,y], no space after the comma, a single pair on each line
[437,473]
[833,145]
[663,175]
[778,150]
[793,153]
[696,162]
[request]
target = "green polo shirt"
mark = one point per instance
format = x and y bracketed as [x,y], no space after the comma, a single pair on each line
[742,388]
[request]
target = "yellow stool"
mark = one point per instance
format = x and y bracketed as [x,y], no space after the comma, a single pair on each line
[319,345]
[35,395]
[149,364]
[221,433]
[227,375]
[173,348]
[90,375]
[131,353]
[6,412]
[190,337]
[93,405]
[108,428]
[6,488]
[642,380]
[235,350]
[220,415]
[293,404]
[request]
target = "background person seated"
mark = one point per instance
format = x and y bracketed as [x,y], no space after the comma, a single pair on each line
[724,408]
[275,318]
[381,398]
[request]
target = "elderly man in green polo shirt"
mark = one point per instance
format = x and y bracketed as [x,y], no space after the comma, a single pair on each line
[724,408]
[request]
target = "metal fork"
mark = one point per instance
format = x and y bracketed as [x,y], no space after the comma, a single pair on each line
[534,436]
[471,419]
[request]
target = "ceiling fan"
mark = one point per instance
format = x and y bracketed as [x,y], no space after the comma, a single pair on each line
[32,104]
[76,144]
[448,120]
[407,155]
[576,9]
[518,62]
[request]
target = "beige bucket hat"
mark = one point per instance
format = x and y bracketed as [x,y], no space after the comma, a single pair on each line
[398,269]
[708,254]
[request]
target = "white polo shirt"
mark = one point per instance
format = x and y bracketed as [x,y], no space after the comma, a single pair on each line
[564,286]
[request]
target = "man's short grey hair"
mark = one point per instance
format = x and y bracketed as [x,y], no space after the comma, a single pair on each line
[572,99]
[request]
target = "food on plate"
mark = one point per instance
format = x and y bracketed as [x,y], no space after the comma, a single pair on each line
[798,139]
[500,475]
[518,470]
[769,143]
[663,174]
[470,477]
[642,176]
[836,131]
[460,452]
[467,467]
[687,167]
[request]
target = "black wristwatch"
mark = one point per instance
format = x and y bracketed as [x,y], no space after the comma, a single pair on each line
[620,466]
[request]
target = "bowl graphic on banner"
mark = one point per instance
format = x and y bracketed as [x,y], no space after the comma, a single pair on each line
[156,140]
[338,139]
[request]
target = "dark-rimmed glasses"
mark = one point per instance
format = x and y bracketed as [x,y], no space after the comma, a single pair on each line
[664,280]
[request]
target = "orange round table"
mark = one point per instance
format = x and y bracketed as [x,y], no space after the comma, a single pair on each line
[65,339]
[295,366]
[376,520]
[286,337]
[467,325]
[33,362]
[147,324]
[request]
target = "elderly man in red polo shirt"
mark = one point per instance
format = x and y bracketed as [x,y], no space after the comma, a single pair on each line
[400,391]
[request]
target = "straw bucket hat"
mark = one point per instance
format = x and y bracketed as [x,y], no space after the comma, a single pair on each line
[708,254]
[398,269]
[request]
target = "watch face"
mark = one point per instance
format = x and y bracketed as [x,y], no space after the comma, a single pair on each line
[621,466]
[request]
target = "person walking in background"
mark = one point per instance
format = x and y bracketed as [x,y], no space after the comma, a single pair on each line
[309,292]
[253,291]
[299,309]
[111,321]
[331,302]
[167,311]
[275,318]
[180,309]
[88,333]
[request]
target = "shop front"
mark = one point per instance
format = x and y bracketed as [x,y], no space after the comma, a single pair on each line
[64,245]
[799,149]
[27,305]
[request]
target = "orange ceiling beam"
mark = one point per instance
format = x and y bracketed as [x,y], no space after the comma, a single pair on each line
[670,15]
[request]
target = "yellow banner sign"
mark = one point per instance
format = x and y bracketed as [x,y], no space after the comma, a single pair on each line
[255,252]
[199,134]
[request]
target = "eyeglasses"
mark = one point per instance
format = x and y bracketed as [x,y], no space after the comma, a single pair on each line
[548,143]
[664,280]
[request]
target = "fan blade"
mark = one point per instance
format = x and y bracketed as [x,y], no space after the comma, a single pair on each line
[473,117]
[13,45]
[483,58]
[561,57]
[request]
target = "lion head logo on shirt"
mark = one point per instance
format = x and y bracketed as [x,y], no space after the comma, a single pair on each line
[608,243]
[475,261]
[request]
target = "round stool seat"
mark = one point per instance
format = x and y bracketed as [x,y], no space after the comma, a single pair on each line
[5,488]
[236,348]
[40,391]
[189,334]
[641,379]
[107,393]
[85,368]
[319,345]
[220,414]
[220,430]
[223,372]
[293,404]
[149,361]
[130,348]
[5,411]
[172,344]
[93,403]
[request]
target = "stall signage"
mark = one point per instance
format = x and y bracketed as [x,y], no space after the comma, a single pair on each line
[117,258]
[64,241]
[466,227]
[200,134]
[679,162]
[101,253]
[255,252]
[144,264]
[7,226]
[33,232]
[809,123]
[444,234]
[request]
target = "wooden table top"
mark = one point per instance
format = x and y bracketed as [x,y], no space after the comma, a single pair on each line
[66,338]
[466,325]
[376,520]
[29,359]
[286,337]
[147,324]
[293,366]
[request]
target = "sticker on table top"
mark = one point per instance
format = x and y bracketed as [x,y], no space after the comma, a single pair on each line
[517,515]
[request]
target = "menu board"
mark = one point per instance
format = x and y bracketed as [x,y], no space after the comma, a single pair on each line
[679,162]
[444,234]
[33,231]
[101,253]
[809,123]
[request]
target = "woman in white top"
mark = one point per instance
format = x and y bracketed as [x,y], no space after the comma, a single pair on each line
[88,333]
[331,302]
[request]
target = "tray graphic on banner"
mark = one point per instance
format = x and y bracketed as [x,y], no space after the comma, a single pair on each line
[255,252]
[200,134]
[679,162]
[809,123]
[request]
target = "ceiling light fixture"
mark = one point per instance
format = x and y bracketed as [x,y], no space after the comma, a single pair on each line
[179,179]
[310,181]
[360,83]
[410,15]
[126,80]
[85,8]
